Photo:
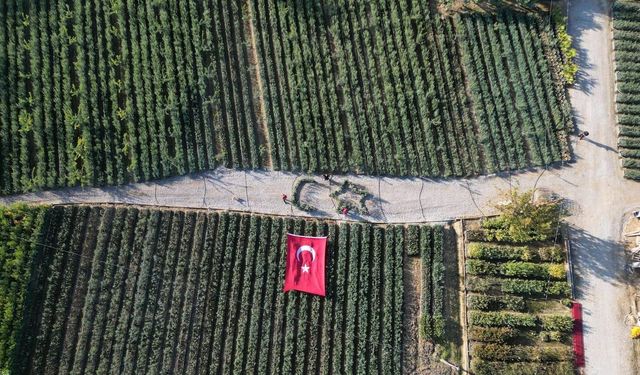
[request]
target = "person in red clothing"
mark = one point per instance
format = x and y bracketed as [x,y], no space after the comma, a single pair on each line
[284,198]
[345,211]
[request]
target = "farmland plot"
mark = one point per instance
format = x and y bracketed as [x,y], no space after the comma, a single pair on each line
[20,228]
[381,88]
[517,312]
[106,92]
[626,26]
[126,290]
[524,116]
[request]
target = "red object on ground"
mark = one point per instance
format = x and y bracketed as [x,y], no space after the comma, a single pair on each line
[578,339]
[305,264]
[345,211]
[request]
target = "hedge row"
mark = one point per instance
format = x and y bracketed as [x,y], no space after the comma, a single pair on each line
[559,323]
[626,25]
[502,319]
[536,287]
[481,367]
[20,228]
[521,353]
[498,335]
[493,303]
[519,286]
[517,269]
[493,252]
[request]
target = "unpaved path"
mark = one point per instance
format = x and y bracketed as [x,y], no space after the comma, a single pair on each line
[594,185]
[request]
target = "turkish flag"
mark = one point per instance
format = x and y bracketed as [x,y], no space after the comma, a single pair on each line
[305,264]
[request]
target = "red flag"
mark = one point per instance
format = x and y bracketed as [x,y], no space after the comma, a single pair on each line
[305,264]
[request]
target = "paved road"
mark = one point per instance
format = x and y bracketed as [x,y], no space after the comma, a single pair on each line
[594,185]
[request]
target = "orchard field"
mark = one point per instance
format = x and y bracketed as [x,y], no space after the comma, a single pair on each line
[518,300]
[626,26]
[128,290]
[108,92]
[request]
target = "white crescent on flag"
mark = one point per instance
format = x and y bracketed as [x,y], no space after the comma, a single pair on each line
[307,248]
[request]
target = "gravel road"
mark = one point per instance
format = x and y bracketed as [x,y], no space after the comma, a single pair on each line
[593,184]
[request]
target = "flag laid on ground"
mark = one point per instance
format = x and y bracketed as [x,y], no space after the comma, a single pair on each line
[305,264]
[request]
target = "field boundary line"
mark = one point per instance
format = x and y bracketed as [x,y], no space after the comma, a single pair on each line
[263,131]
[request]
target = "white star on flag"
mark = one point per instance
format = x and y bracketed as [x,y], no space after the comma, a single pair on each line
[305,268]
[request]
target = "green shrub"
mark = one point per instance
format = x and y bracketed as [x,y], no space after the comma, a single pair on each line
[480,367]
[560,323]
[478,284]
[489,251]
[502,319]
[523,219]
[413,240]
[480,267]
[494,252]
[536,287]
[492,303]
[521,353]
[20,227]
[533,270]
[548,336]
[633,174]
[492,334]
[475,235]
[553,254]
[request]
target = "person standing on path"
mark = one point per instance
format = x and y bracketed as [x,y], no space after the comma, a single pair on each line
[345,211]
[583,134]
[284,198]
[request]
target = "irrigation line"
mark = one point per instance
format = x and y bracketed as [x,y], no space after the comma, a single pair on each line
[420,200]
[310,323]
[204,197]
[473,199]
[246,190]
[380,200]
[155,193]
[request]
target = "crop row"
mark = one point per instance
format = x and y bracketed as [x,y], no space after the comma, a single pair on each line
[546,271]
[105,92]
[626,33]
[20,229]
[126,290]
[428,243]
[522,115]
[494,252]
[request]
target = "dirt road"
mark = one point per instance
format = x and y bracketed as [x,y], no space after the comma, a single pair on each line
[594,186]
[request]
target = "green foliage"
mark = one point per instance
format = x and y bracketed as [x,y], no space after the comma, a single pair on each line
[536,287]
[297,190]
[569,67]
[494,252]
[220,265]
[122,102]
[502,319]
[626,25]
[525,270]
[520,353]
[20,229]
[492,303]
[498,335]
[496,49]
[481,367]
[524,220]
[560,323]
